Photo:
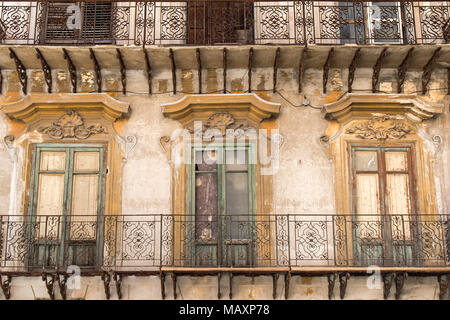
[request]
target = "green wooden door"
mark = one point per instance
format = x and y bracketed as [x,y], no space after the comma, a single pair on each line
[222,206]
[65,206]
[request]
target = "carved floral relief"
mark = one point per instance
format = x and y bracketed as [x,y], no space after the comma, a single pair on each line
[381,127]
[71,125]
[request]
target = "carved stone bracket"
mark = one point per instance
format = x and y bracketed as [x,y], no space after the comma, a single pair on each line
[118,280]
[128,143]
[381,127]
[343,278]
[6,286]
[444,284]
[388,278]
[331,281]
[106,277]
[62,284]
[71,125]
[49,280]
[437,141]
[8,141]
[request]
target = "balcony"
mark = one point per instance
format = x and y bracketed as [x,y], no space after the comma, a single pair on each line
[143,243]
[223,22]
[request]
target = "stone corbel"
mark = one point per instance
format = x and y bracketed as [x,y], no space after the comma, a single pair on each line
[8,141]
[165,143]
[126,144]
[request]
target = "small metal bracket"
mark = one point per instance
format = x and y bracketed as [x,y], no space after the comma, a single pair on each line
[123,72]
[444,283]
[352,69]
[49,280]
[377,69]
[250,66]
[62,284]
[98,71]
[287,282]
[199,70]
[174,283]
[6,286]
[275,277]
[106,277]
[225,65]
[231,285]
[326,69]
[400,279]
[21,70]
[331,281]
[162,278]
[174,69]
[402,71]
[343,278]
[219,294]
[118,280]
[428,69]
[72,71]
[148,70]
[301,69]
[46,69]
[387,284]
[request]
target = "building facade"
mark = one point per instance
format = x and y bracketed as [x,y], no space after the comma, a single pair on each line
[224,150]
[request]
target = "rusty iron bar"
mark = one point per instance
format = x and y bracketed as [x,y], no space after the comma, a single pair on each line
[275,69]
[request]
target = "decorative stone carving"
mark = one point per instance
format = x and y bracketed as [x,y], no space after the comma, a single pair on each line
[127,144]
[71,125]
[381,127]
[220,120]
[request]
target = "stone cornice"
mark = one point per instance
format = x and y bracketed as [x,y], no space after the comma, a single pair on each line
[363,105]
[32,106]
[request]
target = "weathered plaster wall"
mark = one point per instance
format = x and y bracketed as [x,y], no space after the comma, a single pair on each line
[303,184]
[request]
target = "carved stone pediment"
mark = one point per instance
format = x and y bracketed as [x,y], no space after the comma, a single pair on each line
[68,116]
[362,105]
[221,112]
[381,127]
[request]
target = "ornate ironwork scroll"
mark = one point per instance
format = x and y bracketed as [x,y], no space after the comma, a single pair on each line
[46,69]
[21,70]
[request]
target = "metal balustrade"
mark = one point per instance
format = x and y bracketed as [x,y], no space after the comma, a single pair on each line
[223,22]
[149,242]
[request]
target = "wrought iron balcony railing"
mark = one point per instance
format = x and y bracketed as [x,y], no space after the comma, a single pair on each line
[223,22]
[148,242]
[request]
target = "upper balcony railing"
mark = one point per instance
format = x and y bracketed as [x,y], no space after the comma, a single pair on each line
[148,242]
[224,22]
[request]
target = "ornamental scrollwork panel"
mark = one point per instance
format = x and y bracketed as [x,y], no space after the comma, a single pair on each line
[381,127]
[71,125]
